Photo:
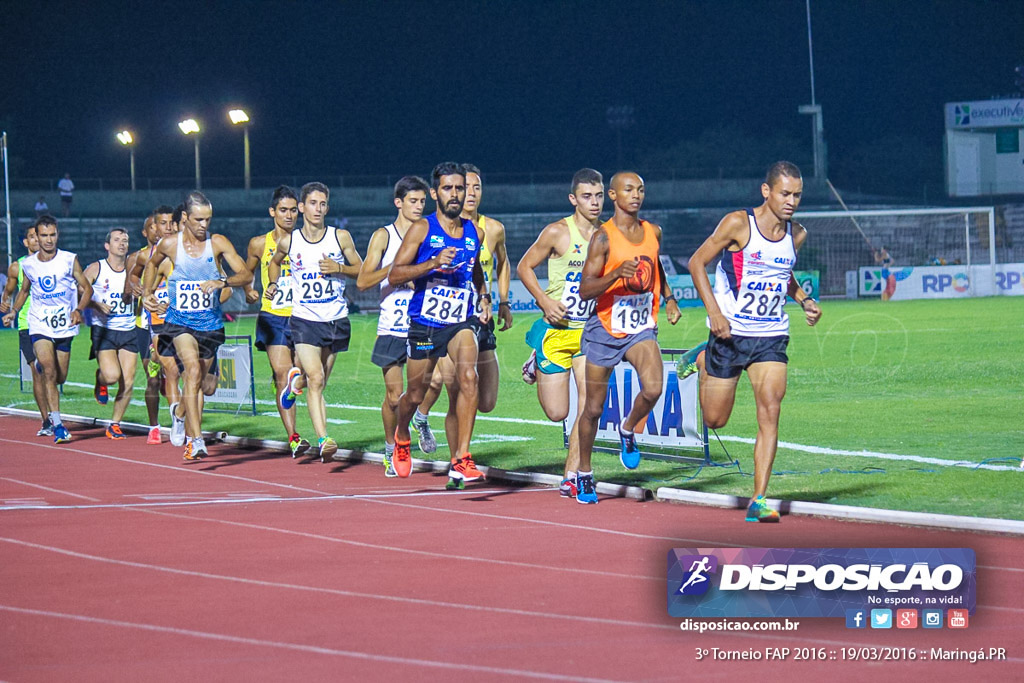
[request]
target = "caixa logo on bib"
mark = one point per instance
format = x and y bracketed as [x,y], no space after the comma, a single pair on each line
[816,582]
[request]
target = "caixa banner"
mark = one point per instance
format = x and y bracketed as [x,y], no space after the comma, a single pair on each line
[816,582]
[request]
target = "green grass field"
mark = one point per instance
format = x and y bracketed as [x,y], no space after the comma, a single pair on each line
[932,379]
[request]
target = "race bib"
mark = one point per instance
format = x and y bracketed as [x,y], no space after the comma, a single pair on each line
[446,305]
[632,314]
[189,298]
[119,308]
[57,319]
[399,315]
[577,309]
[283,295]
[319,290]
[761,306]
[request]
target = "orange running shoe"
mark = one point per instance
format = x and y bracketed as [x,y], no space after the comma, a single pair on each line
[193,452]
[114,432]
[155,437]
[465,469]
[402,457]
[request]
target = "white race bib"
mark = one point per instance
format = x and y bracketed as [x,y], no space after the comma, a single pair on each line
[577,309]
[189,298]
[320,290]
[57,319]
[446,305]
[399,316]
[632,314]
[283,295]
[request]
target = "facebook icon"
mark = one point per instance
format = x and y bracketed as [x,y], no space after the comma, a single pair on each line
[856,618]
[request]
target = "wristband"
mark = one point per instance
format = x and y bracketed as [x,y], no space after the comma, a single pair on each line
[669,298]
[805,300]
[503,303]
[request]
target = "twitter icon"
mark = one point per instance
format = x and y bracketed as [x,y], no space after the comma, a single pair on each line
[881,618]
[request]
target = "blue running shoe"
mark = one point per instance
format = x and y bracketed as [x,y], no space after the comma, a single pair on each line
[629,454]
[289,393]
[758,511]
[687,364]
[586,492]
[61,434]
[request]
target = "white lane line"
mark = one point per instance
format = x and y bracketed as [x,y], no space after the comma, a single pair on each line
[338,591]
[47,488]
[259,642]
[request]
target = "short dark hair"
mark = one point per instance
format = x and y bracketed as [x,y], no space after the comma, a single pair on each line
[178,211]
[470,168]
[310,188]
[282,192]
[162,209]
[111,232]
[30,226]
[779,169]
[410,183]
[586,175]
[46,219]
[194,200]
[445,168]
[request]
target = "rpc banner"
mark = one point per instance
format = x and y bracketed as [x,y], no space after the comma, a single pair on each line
[817,582]
[942,282]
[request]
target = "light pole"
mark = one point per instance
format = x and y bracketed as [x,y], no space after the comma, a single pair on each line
[814,109]
[126,139]
[238,116]
[191,127]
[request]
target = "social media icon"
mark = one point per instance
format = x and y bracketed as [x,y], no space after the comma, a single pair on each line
[856,618]
[881,618]
[931,618]
[956,618]
[906,618]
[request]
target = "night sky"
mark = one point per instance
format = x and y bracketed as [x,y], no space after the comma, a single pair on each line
[394,87]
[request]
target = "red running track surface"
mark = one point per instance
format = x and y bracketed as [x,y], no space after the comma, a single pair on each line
[251,565]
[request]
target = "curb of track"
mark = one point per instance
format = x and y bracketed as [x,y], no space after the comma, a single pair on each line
[663,494]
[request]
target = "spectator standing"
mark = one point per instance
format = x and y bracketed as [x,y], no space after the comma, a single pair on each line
[66,188]
[41,207]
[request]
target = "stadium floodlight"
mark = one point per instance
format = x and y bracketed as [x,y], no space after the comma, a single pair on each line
[238,116]
[126,139]
[191,127]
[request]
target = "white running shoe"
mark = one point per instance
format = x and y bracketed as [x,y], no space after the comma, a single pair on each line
[177,428]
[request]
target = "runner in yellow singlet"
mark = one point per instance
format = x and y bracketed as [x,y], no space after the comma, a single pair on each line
[555,337]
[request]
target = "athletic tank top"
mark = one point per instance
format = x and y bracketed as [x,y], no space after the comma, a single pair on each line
[23,313]
[564,275]
[189,306]
[630,306]
[54,294]
[281,304]
[486,261]
[394,301]
[108,288]
[316,298]
[442,298]
[751,284]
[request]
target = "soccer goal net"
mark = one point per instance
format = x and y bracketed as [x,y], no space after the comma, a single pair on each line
[843,241]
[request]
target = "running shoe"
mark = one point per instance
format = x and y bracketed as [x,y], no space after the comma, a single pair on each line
[193,452]
[629,453]
[530,368]
[760,512]
[46,429]
[427,442]
[298,445]
[465,469]
[290,393]
[177,427]
[567,488]
[587,494]
[153,368]
[687,364]
[99,391]
[155,437]
[61,434]
[328,447]
[389,467]
[401,459]
[114,432]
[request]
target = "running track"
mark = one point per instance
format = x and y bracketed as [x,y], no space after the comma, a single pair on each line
[119,562]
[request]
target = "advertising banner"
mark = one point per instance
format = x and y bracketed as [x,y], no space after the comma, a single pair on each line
[942,282]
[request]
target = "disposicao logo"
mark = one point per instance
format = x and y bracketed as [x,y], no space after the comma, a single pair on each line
[817,582]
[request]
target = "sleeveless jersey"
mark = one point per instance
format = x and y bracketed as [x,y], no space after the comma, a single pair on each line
[630,306]
[394,301]
[751,284]
[281,304]
[564,275]
[442,298]
[54,294]
[316,298]
[23,314]
[109,289]
[486,261]
[189,306]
